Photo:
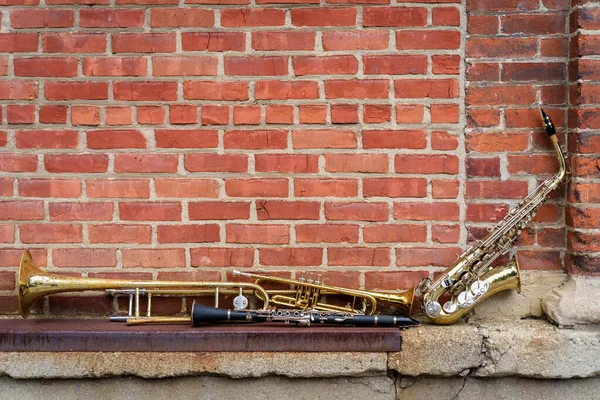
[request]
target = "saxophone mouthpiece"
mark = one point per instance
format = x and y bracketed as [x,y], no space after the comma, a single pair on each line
[548,125]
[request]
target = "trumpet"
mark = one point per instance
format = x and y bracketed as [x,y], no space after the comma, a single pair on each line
[308,294]
[35,284]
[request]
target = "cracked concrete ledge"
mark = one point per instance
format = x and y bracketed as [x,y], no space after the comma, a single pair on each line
[524,348]
[160,365]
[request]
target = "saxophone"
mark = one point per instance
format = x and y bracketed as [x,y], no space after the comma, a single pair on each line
[471,278]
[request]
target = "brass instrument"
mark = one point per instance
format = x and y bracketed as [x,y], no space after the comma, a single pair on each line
[35,284]
[308,293]
[471,278]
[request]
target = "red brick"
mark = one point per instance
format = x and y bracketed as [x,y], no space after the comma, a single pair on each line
[50,233]
[486,212]
[291,256]
[147,211]
[118,188]
[3,138]
[246,17]
[393,280]
[213,41]
[221,91]
[268,234]
[484,166]
[181,114]
[46,66]
[446,16]
[395,64]
[483,118]
[426,164]
[288,163]
[18,42]
[74,43]
[84,258]
[151,115]
[12,257]
[273,187]
[46,139]
[144,42]
[4,66]
[12,162]
[329,16]
[584,193]
[76,90]
[431,88]
[76,163]
[7,235]
[288,210]
[41,18]
[504,47]
[394,16]
[428,40]
[146,162]
[358,256]
[85,115]
[436,211]
[13,90]
[444,113]
[425,256]
[441,140]
[497,141]
[188,233]
[482,24]
[184,66]
[276,41]
[502,5]
[533,71]
[325,187]
[355,40]
[332,65]
[114,66]
[540,260]
[192,138]
[356,211]
[324,139]
[394,139]
[180,187]
[215,210]
[21,210]
[110,18]
[153,258]
[256,66]
[49,187]
[363,163]
[375,113]
[279,114]
[246,115]
[500,95]
[394,187]
[409,113]
[215,115]
[495,189]
[116,139]
[444,189]
[344,114]
[533,24]
[532,164]
[255,139]
[221,257]
[51,114]
[118,116]
[270,90]
[181,17]
[216,162]
[327,233]
[145,91]
[357,89]
[445,233]
[395,233]
[93,211]
[313,113]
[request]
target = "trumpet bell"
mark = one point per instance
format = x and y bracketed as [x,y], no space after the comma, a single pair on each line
[27,297]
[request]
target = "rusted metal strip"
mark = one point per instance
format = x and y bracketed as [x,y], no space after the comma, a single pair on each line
[101,335]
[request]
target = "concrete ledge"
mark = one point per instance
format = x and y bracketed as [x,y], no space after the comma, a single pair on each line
[522,348]
[528,348]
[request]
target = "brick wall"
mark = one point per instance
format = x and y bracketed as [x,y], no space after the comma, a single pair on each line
[366,140]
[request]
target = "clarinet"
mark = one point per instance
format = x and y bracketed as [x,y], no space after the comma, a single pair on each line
[203,315]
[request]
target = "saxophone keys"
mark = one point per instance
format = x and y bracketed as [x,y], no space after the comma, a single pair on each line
[433,308]
[478,288]
[450,307]
[465,299]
